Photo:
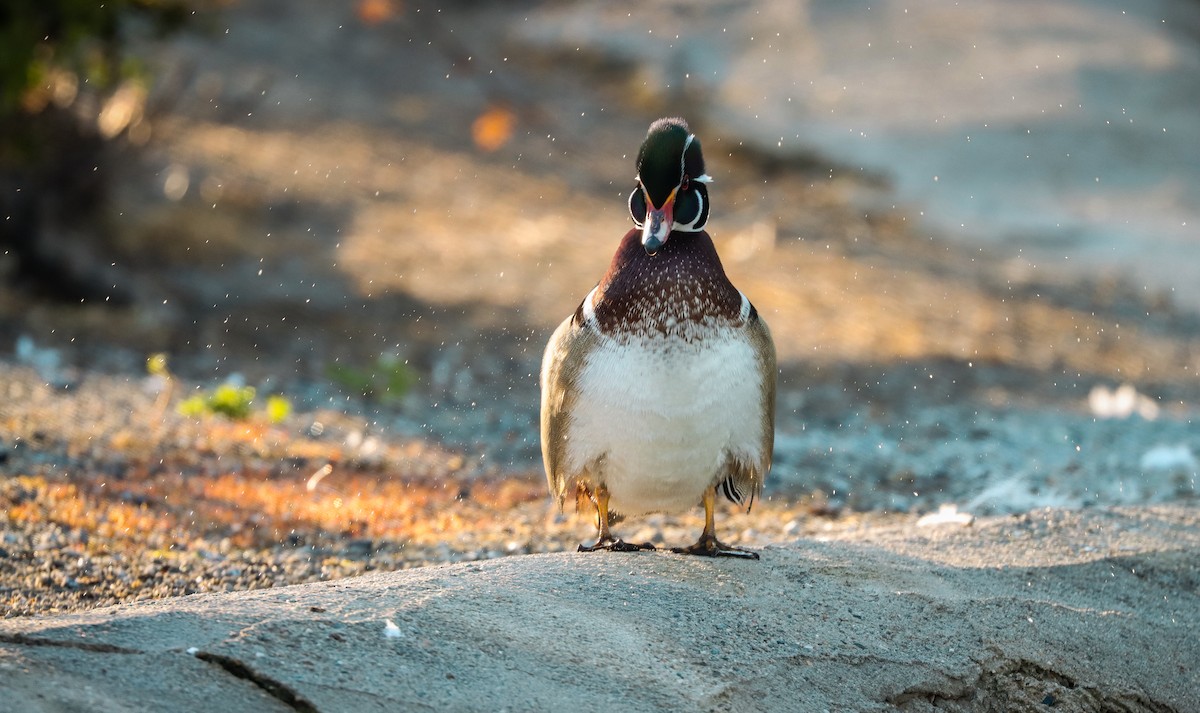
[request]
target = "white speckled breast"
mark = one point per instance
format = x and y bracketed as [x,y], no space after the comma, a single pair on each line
[659,417]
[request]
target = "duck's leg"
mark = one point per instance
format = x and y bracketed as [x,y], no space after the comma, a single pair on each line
[708,545]
[605,539]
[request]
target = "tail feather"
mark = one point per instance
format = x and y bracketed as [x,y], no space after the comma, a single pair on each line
[729,488]
[742,485]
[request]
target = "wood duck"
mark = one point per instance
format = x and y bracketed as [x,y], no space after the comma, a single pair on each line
[658,393]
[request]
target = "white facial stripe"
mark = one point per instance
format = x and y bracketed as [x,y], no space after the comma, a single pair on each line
[683,156]
[691,227]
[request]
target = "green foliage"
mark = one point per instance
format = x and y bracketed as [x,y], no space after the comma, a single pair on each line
[278,408]
[234,402]
[227,400]
[194,406]
[156,364]
[387,380]
[83,37]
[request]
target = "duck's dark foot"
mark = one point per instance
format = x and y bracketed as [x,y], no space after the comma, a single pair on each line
[712,547]
[616,545]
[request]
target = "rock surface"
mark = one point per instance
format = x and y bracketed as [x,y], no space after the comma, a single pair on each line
[1055,610]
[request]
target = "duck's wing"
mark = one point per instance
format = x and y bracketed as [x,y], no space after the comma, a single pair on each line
[745,479]
[562,364]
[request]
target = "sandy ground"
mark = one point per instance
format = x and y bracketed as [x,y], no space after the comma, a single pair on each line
[1048,611]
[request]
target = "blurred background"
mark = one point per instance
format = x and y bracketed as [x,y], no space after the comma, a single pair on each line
[971,226]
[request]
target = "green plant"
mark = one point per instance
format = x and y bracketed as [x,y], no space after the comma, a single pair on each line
[234,402]
[388,379]
[83,37]
[278,409]
[156,365]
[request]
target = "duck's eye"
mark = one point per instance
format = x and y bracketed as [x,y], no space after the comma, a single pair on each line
[683,185]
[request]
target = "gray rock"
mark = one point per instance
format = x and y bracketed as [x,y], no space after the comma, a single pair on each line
[1093,610]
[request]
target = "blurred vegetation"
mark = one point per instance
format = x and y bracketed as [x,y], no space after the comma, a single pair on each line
[227,400]
[385,381]
[41,40]
[234,402]
[68,87]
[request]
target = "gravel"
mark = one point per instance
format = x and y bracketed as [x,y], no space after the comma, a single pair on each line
[111,497]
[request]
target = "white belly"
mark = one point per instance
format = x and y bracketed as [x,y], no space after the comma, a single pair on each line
[657,421]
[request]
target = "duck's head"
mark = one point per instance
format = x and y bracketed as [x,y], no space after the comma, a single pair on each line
[670,193]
